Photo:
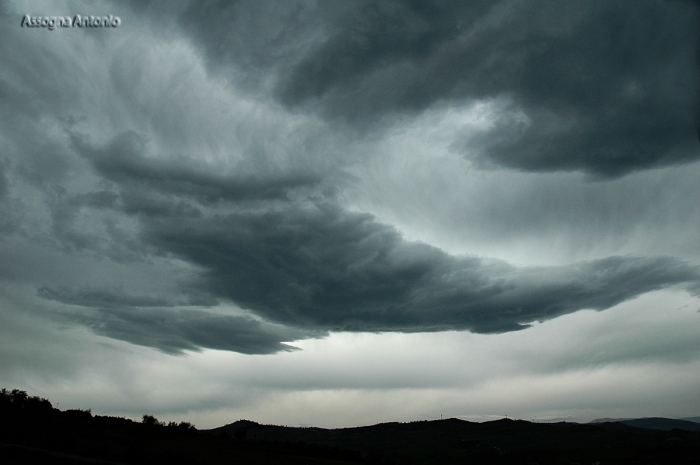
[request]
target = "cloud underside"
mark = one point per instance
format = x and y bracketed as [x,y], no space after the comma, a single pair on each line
[306,266]
[177,331]
[330,269]
[323,269]
[602,87]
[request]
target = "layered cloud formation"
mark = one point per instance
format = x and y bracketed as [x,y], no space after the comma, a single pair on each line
[217,183]
[606,88]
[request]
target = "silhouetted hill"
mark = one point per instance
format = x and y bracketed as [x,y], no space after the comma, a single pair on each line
[608,420]
[502,441]
[77,436]
[665,424]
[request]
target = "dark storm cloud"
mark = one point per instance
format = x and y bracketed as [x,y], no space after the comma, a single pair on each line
[191,330]
[155,322]
[329,269]
[606,88]
[123,161]
[103,299]
[603,87]
[100,298]
[176,331]
[312,265]
[263,38]
[374,36]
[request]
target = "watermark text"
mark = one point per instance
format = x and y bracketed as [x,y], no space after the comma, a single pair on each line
[52,22]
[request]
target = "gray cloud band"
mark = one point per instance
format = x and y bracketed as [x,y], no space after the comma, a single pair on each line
[604,88]
[170,324]
[330,269]
[607,88]
[313,267]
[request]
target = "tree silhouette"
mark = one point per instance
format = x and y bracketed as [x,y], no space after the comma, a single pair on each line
[151,420]
[20,400]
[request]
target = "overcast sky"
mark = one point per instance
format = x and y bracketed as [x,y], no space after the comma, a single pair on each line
[344,213]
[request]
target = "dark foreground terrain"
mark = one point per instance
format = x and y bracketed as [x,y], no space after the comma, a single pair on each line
[33,432]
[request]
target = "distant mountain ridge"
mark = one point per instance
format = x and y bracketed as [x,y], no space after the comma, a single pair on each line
[504,441]
[34,432]
[658,423]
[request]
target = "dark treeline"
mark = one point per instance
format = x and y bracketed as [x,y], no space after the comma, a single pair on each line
[33,422]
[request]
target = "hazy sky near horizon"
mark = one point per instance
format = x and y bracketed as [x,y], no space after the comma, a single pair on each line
[343,213]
